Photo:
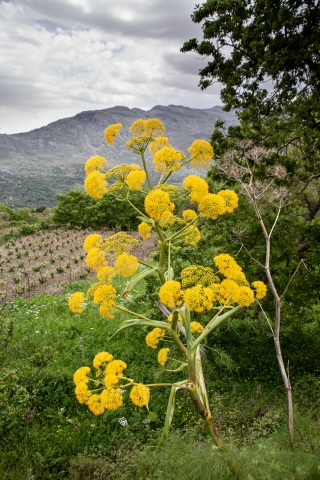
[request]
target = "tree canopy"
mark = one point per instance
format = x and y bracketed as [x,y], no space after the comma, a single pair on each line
[249,43]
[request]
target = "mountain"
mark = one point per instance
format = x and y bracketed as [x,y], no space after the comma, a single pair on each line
[34,166]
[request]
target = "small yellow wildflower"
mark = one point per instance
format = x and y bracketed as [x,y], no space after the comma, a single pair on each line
[92,241]
[169,221]
[154,337]
[111,398]
[230,198]
[96,185]
[198,298]
[75,302]
[196,327]
[201,153]
[171,190]
[260,288]
[81,375]
[135,180]
[212,206]
[196,186]
[95,163]
[144,230]
[163,356]
[126,265]
[102,358]
[140,395]
[92,289]
[157,202]
[111,132]
[170,294]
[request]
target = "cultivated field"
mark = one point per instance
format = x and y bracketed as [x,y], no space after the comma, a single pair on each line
[42,262]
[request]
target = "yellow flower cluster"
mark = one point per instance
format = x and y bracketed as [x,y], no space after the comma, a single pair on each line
[91,290]
[140,395]
[135,180]
[197,274]
[170,294]
[147,128]
[260,288]
[212,206]
[157,202]
[105,297]
[105,274]
[163,356]
[228,266]
[119,175]
[230,198]
[198,298]
[111,132]
[158,143]
[154,337]
[201,153]
[189,215]
[96,259]
[95,163]
[169,221]
[110,398]
[193,237]
[227,290]
[119,243]
[75,302]
[101,359]
[196,186]
[96,185]
[171,190]
[144,230]
[93,241]
[126,265]
[168,160]
[196,327]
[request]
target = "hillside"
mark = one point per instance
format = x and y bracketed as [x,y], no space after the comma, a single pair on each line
[57,152]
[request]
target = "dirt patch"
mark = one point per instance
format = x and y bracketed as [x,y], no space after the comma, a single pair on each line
[44,261]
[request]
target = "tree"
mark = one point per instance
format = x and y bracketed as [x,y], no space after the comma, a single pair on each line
[257,41]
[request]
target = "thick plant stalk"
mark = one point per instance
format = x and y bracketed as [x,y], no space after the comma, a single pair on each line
[276,331]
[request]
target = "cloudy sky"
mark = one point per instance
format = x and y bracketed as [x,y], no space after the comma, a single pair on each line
[61,57]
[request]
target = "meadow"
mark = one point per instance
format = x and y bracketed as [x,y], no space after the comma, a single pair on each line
[46,434]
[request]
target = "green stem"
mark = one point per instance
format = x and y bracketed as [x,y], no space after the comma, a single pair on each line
[135,314]
[146,170]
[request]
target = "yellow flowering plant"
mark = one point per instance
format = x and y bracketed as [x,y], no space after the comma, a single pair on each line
[220,290]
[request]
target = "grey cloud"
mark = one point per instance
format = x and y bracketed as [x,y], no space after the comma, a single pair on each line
[157,19]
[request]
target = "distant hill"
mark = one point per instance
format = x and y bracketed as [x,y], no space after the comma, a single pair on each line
[57,152]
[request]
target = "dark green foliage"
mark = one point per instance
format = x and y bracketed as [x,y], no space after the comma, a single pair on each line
[250,42]
[79,209]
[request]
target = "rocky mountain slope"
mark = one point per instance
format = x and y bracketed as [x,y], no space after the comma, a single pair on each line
[58,151]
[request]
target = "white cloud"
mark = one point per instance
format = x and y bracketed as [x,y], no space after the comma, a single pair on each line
[59,58]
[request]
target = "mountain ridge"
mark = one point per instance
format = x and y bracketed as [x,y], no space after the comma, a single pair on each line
[62,147]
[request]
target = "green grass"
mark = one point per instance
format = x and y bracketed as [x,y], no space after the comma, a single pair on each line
[43,427]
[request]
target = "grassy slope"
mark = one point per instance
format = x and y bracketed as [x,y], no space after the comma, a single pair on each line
[41,446]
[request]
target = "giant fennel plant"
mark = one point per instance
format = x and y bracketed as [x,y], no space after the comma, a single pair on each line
[221,290]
